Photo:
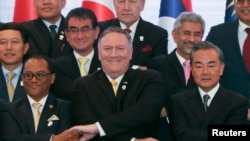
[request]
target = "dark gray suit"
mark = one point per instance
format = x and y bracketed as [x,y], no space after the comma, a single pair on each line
[190,121]
[235,76]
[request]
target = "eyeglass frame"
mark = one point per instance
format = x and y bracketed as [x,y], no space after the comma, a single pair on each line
[241,1]
[74,30]
[36,75]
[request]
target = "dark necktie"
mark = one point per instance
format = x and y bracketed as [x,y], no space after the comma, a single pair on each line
[53,31]
[246,50]
[205,99]
[127,30]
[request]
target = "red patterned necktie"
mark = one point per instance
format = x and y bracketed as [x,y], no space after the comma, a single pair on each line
[246,50]
[187,70]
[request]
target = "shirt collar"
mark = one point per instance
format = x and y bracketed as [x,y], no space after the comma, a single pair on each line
[42,101]
[118,79]
[17,71]
[211,93]
[180,58]
[242,26]
[132,27]
[89,56]
[49,24]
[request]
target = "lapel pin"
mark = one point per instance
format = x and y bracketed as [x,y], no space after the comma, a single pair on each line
[141,38]
[21,83]
[51,106]
[123,87]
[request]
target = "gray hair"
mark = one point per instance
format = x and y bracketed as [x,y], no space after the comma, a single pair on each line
[189,17]
[117,30]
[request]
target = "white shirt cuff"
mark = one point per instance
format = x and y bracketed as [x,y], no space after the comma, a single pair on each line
[101,131]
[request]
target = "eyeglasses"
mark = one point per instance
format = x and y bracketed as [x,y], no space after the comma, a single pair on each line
[38,75]
[241,1]
[75,30]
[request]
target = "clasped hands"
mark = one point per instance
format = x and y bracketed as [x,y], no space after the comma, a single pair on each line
[84,133]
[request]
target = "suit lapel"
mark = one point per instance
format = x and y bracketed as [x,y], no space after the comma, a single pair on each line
[196,104]
[95,64]
[3,86]
[216,106]
[106,86]
[46,113]
[124,88]
[26,114]
[138,44]
[178,69]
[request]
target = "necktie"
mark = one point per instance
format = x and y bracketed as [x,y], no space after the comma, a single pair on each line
[246,51]
[83,62]
[36,114]
[205,99]
[114,86]
[127,30]
[186,70]
[53,31]
[10,86]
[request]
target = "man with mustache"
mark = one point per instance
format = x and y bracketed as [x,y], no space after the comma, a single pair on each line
[188,28]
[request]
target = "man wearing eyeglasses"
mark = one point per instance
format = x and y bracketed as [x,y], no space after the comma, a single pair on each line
[233,40]
[81,31]
[39,116]
[13,46]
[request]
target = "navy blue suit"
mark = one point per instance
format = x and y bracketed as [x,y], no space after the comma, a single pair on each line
[19,90]
[235,76]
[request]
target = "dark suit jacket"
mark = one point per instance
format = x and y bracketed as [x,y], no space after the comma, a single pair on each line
[3,110]
[41,42]
[19,122]
[19,90]
[235,76]
[172,73]
[67,71]
[190,121]
[132,113]
[154,42]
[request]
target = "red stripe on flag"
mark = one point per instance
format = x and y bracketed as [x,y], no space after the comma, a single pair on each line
[102,12]
[24,10]
[188,5]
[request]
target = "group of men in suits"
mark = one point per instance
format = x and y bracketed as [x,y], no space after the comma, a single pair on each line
[80,31]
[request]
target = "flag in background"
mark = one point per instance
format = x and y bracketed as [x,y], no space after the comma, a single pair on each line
[230,12]
[103,9]
[24,10]
[169,11]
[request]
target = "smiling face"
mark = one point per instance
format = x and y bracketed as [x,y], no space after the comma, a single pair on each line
[81,35]
[242,9]
[49,10]
[188,34]
[128,11]
[37,88]
[115,53]
[12,48]
[207,69]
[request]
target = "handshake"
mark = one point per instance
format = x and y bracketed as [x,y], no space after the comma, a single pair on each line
[85,133]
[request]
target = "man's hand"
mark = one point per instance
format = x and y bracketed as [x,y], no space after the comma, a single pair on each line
[67,135]
[248,114]
[86,132]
